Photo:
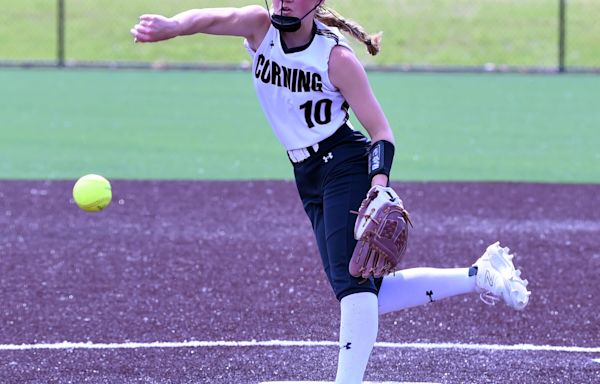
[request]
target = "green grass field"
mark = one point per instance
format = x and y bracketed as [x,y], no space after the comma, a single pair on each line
[419,32]
[60,124]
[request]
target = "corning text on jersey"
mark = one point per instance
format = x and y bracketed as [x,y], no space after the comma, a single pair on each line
[294,79]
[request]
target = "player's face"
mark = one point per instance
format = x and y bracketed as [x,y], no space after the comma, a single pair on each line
[297,8]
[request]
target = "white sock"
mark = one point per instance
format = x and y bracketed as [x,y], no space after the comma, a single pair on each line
[418,286]
[358,332]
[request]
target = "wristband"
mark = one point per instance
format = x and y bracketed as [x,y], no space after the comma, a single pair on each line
[381,157]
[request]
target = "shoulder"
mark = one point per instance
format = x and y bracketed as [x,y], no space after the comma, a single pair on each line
[341,57]
[259,21]
[344,66]
[254,11]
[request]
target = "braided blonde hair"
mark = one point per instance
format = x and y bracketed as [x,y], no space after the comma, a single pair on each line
[331,18]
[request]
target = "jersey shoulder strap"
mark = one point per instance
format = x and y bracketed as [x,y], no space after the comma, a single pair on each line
[333,34]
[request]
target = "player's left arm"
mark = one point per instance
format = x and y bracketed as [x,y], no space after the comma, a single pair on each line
[350,77]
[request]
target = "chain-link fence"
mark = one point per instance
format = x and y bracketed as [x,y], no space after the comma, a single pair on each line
[548,35]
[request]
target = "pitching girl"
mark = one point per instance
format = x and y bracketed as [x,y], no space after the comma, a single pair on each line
[307,78]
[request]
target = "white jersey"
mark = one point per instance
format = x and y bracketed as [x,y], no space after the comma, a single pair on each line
[294,89]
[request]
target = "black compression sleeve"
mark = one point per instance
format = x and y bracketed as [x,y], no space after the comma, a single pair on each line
[381,157]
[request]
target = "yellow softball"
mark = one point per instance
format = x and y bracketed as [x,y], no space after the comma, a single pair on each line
[92,193]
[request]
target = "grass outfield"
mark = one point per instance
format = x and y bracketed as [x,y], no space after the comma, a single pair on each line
[207,125]
[446,32]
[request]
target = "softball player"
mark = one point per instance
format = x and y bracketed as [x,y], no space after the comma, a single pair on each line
[307,78]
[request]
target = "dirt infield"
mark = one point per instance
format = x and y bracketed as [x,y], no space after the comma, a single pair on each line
[233,261]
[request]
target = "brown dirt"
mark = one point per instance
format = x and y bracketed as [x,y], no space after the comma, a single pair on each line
[174,261]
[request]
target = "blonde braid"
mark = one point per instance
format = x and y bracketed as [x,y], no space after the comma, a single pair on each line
[331,18]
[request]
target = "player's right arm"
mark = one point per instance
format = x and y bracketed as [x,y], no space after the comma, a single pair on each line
[251,22]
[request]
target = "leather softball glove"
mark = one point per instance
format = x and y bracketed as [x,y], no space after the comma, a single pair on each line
[382,233]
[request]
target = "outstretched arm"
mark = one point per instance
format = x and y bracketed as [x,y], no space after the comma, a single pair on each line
[349,76]
[251,22]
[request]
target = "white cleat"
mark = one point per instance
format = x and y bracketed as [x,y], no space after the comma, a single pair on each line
[498,279]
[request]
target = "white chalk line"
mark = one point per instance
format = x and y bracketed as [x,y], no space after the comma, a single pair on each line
[331,382]
[293,343]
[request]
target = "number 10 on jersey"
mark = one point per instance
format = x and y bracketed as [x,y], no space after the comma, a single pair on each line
[319,113]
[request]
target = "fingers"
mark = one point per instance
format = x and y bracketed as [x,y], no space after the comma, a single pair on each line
[140,34]
[148,17]
[150,20]
[142,31]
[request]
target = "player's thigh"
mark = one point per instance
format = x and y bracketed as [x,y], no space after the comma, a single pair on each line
[341,196]
[317,219]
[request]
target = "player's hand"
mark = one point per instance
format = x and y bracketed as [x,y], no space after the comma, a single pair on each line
[152,28]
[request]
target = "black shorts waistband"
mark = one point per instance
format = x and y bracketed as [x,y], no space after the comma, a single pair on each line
[300,155]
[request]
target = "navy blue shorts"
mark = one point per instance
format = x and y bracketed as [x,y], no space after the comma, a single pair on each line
[332,182]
